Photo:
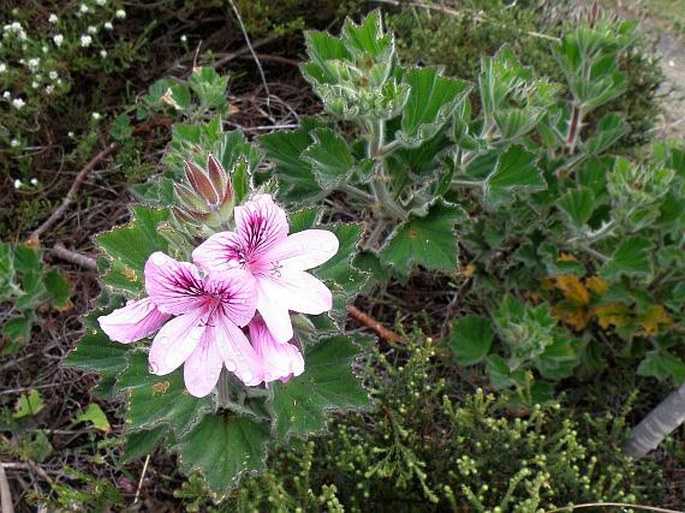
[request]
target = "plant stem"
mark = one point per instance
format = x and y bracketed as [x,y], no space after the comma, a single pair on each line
[468,183]
[376,135]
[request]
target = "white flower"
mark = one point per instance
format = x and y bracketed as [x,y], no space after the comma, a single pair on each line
[86,40]
[184,38]
[18,184]
[58,39]
[34,181]
[84,8]
[53,18]
[97,116]
[103,53]
[50,89]
[53,75]
[6,95]
[14,143]
[70,134]
[3,67]
[35,85]
[18,103]
[121,14]
[100,2]
[33,63]
[108,25]
[92,29]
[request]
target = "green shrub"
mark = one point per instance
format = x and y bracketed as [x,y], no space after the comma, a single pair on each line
[433,444]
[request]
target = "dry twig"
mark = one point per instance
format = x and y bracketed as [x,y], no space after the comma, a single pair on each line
[374,325]
[34,238]
[68,255]
[6,505]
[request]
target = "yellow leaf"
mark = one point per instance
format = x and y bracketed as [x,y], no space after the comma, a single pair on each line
[650,319]
[615,314]
[567,257]
[597,285]
[573,289]
[577,316]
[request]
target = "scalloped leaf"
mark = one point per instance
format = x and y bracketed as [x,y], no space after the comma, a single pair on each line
[432,101]
[327,384]
[128,248]
[578,205]
[429,241]
[631,258]
[331,159]
[471,339]
[153,400]
[339,269]
[238,445]
[515,171]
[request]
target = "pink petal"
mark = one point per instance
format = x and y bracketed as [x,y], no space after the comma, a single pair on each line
[304,250]
[175,287]
[260,225]
[280,361]
[136,320]
[290,290]
[219,253]
[202,368]
[175,342]
[236,351]
[236,288]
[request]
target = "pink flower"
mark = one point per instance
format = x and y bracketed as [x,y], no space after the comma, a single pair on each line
[279,360]
[261,245]
[205,333]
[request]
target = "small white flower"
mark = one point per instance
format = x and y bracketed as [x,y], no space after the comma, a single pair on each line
[121,14]
[35,85]
[49,89]
[33,63]
[100,2]
[53,75]
[18,184]
[97,116]
[6,95]
[86,40]
[92,29]
[34,181]
[45,48]
[103,53]
[3,67]
[70,134]
[18,103]
[58,39]
[16,26]
[14,143]
[53,18]
[108,25]
[83,8]
[184,38]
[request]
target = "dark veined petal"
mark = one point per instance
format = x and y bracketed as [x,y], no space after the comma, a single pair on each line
[136,320]
[175,287]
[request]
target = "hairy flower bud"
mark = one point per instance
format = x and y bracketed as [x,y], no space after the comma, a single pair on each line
[209,199]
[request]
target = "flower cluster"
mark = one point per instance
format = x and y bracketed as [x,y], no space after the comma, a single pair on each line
[250,278]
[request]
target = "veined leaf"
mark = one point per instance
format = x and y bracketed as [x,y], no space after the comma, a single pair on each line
[432,101]
[330,156]
[471,339]
[631,257]
[327,383]
[578,205]
[662,365]
[429,241]
[515,171]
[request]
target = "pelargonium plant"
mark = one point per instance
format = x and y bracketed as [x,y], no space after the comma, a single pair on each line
[254,369]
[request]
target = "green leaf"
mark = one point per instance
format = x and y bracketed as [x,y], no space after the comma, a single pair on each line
[37,448]
[559,359]
[327,383]
[28,405]
[222,447]
[662,365]
[58,288]
[330,157]
[367,38]
[240,181]
[95,352]
[27,260]
[129,247]
[7,287]
[631,257]
[153,400]
[514,123]
[432,101]
[578,205]
[429,241]
[609,130]
[471,339]
[142,443]
[515,171]
[296,180]
[93,414]
[17,331]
